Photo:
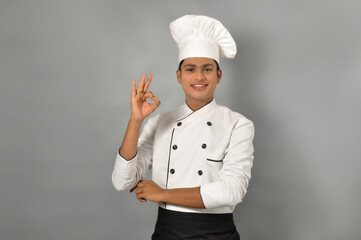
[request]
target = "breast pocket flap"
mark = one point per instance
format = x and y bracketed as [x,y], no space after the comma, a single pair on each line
[215,157]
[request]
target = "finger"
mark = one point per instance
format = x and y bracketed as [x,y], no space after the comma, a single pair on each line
[139,193]
[141,84]
[140,184]
[141,197]
[147,83]
[155,104]
[134,91]
[149,94]
[136,186]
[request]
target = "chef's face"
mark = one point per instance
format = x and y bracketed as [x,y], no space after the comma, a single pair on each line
[199,78]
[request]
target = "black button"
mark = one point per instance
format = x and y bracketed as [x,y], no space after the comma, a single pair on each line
[172,171]
[174,147]
[209,123]
[204,145]
[200,172]
[179,124]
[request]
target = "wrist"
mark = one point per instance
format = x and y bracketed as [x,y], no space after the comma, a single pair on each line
[135,122]
[164,195]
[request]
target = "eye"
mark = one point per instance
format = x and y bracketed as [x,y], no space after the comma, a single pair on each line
[189,69]
[208,69]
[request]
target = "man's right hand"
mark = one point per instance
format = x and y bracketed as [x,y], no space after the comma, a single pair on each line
[140,107]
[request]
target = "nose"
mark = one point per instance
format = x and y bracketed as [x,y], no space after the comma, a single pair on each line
[199,75]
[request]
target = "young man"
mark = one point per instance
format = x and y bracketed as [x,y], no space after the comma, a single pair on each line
[201,154]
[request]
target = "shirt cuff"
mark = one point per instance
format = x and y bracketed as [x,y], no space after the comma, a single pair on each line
[217,194]
[209,200]
[122,174]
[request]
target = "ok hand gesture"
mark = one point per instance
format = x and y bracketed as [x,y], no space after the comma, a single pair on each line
[140,107]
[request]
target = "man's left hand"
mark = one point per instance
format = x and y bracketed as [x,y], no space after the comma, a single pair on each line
[148,190]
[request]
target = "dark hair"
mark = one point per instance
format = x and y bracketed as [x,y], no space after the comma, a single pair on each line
[181,62]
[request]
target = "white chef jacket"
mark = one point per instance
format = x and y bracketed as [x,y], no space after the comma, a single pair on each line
[211,148]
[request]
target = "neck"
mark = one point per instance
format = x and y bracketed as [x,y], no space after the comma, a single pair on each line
[196,105]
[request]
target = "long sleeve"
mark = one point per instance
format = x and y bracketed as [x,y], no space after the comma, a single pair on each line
[127,173]
[236,170]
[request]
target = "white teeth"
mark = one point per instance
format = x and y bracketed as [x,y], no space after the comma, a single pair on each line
[198,85]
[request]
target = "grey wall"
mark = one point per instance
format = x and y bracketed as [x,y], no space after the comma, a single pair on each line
[65,73]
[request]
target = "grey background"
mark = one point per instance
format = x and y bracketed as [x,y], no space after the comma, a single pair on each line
[65,73]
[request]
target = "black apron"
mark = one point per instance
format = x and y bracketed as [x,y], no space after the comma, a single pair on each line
[173,225]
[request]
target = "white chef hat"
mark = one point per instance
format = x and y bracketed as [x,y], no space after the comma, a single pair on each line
[202,36]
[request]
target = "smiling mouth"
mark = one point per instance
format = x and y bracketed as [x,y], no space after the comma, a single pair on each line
[199,87]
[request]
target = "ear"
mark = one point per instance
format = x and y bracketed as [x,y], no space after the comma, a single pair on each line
[179,77]
[219,75]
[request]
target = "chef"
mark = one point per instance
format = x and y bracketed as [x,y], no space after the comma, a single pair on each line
[201,154]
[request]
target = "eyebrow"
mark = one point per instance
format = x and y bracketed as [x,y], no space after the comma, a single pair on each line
[204,65]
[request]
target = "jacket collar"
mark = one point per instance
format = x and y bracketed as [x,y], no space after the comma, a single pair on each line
[185,111]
